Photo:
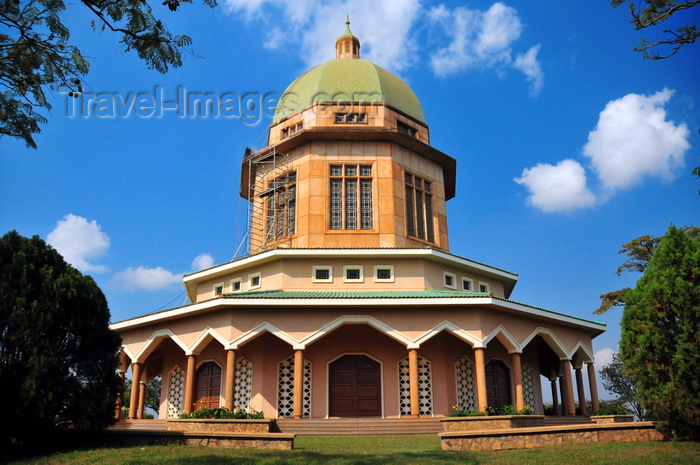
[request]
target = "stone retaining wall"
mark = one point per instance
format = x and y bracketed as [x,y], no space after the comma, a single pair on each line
[529,438]
[612,418]
[215,425]
[480,423]
[126,438]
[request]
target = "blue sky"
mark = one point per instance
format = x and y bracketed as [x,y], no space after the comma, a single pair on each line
[568,143]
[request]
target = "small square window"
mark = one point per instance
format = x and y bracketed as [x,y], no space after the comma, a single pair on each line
[365,171]
[322,274]
[236,285]
[351,171]
[217,289]
[483,287]
[336,170]
[254,280]
[467,284]
[384,274]
[353,274]
[450,280]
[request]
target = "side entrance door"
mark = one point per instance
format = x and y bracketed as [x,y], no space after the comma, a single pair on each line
[208,387]
[355,387]
[498,384]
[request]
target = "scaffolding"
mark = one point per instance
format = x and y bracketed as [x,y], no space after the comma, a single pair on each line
[270,221]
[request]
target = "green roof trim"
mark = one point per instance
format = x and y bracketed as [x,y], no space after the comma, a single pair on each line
[417,294]
[337,80]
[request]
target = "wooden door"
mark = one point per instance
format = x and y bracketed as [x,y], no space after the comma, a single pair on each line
[355,387]
[498,384]
[208,386]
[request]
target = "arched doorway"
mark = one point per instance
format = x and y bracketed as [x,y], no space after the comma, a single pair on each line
[208,386]
[498,384]
[354,387]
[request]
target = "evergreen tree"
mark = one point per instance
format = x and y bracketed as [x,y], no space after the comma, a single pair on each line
[58,357]
[660,332]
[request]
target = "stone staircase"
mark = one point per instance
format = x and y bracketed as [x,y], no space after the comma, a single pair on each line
[141,425]
[561,420]
[361,426]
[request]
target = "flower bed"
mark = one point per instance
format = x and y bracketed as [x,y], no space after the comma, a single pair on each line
[221,426]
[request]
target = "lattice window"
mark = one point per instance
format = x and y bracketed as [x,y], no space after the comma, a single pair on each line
[529,387]
[425,387]
[351,197]
[285,389]
[243,387]
[176,392]
[466,390]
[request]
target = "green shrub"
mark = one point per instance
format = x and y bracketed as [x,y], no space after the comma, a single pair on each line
[526,410]
[613,410]
[248,413]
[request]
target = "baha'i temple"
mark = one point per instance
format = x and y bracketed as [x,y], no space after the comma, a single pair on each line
[349,302]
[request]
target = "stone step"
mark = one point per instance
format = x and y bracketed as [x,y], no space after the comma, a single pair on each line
[361,427]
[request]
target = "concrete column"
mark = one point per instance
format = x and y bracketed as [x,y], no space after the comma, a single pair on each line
[413,380]
[594,388]
[142,399]
[562,391]
[298,384]
[555,400]
[135,380]
[568,383]
[230,379]
[518,382]
[190,378]
[581,392]
[480,379]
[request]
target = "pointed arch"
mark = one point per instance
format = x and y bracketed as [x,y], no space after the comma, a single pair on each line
[454,329]
[153,341]
[584,354]
[257,331]
[508,341]
[551,339]
[204,338]
[375,323]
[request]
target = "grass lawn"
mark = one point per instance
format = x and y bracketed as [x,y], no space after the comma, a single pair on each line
[387,450]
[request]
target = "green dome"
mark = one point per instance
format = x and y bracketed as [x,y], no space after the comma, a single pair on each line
[342,79]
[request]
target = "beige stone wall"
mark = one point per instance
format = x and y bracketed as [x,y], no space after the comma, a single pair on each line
[377,116]
[389,162]
[296,274]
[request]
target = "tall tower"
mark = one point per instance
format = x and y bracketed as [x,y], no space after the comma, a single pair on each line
[348,163]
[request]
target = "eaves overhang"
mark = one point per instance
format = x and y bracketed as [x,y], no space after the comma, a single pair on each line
[267,299]
[448,163]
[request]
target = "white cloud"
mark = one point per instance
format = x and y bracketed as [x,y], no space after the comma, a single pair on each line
[483,39]
[383,27]
[633,139]
[604,357]
[389,33]
[142,277]
[557,188]
[202,262]
[528,64]
[78,241]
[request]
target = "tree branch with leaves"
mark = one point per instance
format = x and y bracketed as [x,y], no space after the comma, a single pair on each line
[650,13]
[36,54]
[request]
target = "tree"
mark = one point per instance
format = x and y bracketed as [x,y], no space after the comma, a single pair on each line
[660,327]
[625,387]
[153,388]
[36,55]
[639,251]
[653,12]
[58,357]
